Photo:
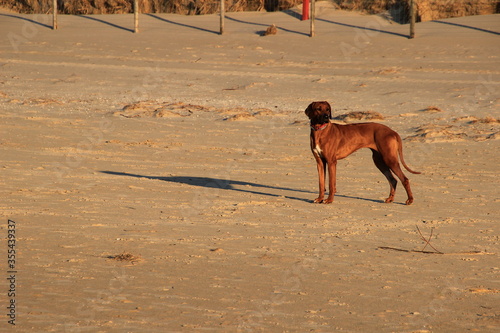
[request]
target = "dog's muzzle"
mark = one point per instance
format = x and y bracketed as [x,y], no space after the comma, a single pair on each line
[320,122]
[322,119]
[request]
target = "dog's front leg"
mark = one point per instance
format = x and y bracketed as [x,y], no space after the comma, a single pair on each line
[332,178]
[321,175]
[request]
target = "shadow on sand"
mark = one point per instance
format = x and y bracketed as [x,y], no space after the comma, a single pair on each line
[29,20]
[232,185]
[363,28]
[265,25]
[182,24]
[93,18]
[468,27]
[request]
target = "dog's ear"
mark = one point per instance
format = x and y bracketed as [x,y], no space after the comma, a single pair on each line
[329,108]
[309,110]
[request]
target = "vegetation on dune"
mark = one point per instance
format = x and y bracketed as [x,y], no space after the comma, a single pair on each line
[398,9]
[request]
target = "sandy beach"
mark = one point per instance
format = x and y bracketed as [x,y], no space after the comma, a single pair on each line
[162,181]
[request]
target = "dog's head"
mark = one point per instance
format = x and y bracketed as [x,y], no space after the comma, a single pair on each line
[319,113]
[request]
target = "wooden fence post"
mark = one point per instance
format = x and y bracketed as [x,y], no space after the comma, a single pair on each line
[413,15]
[54,15]
[222,15]
[313,16]
[136,16]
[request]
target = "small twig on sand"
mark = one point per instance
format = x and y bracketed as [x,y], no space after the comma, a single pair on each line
[409,251]
[427,241]
[470,253]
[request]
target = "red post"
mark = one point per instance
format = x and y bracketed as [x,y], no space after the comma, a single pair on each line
[305,10]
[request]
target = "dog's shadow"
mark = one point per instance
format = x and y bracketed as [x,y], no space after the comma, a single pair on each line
[219,183]
[233,185]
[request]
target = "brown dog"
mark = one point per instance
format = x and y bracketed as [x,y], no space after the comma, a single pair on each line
[331,142]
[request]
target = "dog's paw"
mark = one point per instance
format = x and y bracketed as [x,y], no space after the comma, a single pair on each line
[318,200]
[328,201]
[409,201]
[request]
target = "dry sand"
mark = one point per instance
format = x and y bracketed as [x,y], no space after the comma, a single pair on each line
[162,181]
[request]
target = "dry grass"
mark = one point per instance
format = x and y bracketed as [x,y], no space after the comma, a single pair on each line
[489,120]
[359,115]
[432,109]
[125,256]
[427,9]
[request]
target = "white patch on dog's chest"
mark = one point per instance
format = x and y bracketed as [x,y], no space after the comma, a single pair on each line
[317,150]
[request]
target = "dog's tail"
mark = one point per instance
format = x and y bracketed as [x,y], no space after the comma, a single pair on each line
[400,151]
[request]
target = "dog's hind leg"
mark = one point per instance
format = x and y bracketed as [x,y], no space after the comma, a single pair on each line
[392,162]
[404,180]
[386,171]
